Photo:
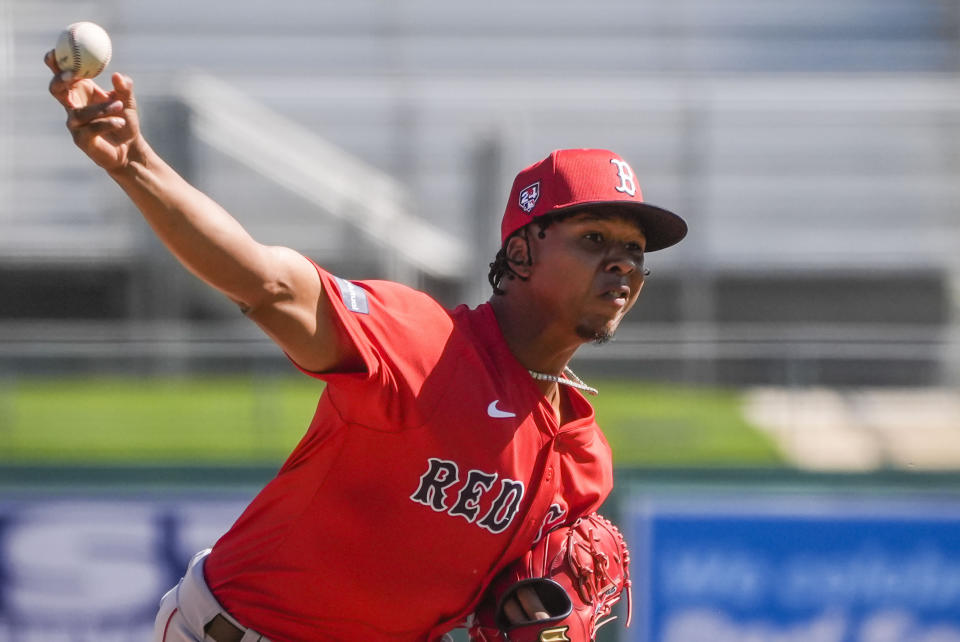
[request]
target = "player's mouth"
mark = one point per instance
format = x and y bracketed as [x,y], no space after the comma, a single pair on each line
[618,296]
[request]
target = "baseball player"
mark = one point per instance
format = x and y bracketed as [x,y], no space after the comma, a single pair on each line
[445,443]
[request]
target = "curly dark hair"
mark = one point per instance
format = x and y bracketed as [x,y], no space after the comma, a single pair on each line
[502,266]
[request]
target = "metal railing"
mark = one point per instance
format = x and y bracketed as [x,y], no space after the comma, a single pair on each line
[335,182]
[788,354]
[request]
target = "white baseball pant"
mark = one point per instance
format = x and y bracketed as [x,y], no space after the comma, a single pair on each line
[188,607]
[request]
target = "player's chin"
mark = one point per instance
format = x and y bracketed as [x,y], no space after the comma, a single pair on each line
[599,333]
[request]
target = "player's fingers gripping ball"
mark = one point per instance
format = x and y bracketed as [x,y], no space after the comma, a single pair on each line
[579,573]
[83,48]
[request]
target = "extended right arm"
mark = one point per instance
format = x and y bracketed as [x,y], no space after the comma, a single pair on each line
[276,287]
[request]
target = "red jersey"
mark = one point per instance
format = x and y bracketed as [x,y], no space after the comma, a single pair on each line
[417,481]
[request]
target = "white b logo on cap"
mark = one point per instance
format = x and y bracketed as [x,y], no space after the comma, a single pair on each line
[627,183]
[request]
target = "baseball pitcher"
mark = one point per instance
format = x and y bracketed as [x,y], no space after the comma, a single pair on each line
[446,445]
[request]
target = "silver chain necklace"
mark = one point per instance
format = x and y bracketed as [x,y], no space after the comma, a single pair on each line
[571,380]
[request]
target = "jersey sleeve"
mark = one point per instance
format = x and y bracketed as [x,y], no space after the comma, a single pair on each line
[401,335]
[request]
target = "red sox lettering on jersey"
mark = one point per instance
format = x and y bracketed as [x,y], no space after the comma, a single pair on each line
[441,474]
[553,518]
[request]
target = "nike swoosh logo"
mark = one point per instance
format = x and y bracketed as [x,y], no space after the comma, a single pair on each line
[496,413]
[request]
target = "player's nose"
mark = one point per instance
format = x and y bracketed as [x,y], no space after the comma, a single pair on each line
[622,261]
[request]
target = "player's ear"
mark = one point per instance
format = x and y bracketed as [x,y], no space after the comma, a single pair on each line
[518,254]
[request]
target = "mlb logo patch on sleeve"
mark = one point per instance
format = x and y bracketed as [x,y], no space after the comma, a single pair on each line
[354,297]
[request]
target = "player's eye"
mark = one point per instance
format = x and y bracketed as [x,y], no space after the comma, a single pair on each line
[594,237]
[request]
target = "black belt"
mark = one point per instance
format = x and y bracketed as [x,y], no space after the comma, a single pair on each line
[220,629]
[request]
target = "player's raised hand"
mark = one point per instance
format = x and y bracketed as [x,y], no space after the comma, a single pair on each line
[105,125]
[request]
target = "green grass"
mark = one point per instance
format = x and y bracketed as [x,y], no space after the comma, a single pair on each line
[676,426]
[154,420]
[260,419]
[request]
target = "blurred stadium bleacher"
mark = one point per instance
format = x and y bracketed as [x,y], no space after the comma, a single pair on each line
[812,146]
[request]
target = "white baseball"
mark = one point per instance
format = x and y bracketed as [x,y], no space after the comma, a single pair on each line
[83,48]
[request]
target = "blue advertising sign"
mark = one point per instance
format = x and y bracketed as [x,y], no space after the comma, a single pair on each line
[793,569]
[796,570]
[93,569]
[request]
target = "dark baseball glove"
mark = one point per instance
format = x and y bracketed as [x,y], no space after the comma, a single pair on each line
[578,573]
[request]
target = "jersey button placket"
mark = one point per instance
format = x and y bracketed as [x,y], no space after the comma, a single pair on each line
[554,459]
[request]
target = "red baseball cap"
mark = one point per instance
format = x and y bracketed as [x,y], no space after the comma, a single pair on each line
[570,179]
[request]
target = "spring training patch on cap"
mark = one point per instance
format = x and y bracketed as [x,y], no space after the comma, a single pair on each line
[529,196]
[354,297]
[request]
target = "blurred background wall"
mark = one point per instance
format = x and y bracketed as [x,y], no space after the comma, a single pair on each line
[812,146]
